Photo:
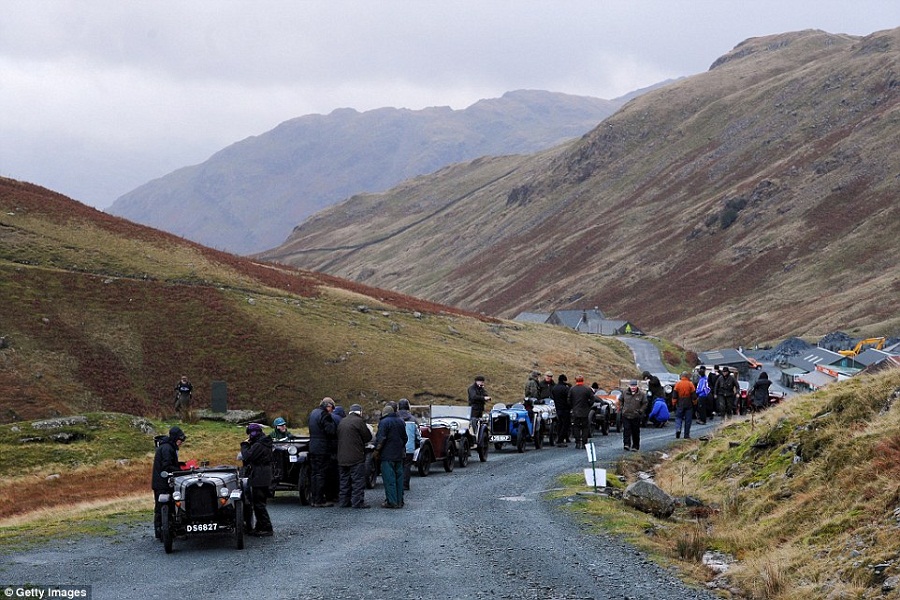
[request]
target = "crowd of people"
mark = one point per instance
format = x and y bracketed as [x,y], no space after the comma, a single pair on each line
[338,439]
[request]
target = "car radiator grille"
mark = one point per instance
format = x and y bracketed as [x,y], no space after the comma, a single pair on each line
[201,501]
[501,424]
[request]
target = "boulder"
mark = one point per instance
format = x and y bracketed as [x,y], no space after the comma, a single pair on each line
[648,497]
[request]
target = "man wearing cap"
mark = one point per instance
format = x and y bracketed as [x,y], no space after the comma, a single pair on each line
[166,459]
[581,398]
[544,388]
[478,396]
[279,430]
[256,452]
[634,405]
[727,391]
[352,436]
[322,432]
[391,439]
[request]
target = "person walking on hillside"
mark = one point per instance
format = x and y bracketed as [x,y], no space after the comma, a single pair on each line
[322,434]
[390,442]
[352,436]
[165,459]
[727,391]
[560,396]
[684,397]
[759,395]
[581,398]
[477,397]
[279,430]
[413,439]
[183,392]
[256,452]
[634,406]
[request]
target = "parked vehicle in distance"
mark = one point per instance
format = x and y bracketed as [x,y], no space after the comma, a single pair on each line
[514,425]
[290,467]
[439,443]
[469,433]
[203,501]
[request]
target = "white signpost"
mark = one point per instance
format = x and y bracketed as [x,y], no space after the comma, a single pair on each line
[594,477]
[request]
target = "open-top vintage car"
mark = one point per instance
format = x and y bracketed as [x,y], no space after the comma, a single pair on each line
[514,425]
[290,467]
[469,433]
[439,443]
[606,411]
[548,419]
[203,501]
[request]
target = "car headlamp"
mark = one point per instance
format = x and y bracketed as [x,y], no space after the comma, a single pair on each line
[176,496]
[292,450]
[223,492]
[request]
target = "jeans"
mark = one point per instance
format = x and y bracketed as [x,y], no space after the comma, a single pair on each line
[685,415]
[631,432]
[392,477]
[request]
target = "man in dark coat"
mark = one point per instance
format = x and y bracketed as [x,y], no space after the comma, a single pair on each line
[559,393]
[545,386]
[477,397]
[711,380]
[727,391]
[322,442]
[759,395]
[352,436]
[634,406]
[256,452]
[391,439]
[581,397]
[166,459]
[655,390]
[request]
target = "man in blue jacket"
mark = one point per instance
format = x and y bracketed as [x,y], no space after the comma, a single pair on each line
[391,440]
[322,442]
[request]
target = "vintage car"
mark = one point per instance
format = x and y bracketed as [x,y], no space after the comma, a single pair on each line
[514,425]
[469,433]
[203,501]
[606,411]
[549,420]
[439,443]
[290,467]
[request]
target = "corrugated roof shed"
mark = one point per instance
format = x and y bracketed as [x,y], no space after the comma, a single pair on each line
[531,317]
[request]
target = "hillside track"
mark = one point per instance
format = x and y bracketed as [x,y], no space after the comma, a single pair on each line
[485,531]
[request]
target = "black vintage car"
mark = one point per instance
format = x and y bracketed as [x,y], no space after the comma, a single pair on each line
[203,501]
[290,467]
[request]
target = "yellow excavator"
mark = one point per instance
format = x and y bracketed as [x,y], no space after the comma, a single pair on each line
[876,342]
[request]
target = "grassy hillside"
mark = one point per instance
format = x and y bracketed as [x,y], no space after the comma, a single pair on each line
[804,498]
[741,205]
[100,314]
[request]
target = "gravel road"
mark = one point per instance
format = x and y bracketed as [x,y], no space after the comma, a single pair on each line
[485,531]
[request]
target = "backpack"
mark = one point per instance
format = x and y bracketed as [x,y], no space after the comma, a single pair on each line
[702,387]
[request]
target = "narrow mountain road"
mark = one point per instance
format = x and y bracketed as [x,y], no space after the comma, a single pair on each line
[646,355]
[486,531]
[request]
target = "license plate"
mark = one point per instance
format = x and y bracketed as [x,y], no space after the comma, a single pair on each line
[293,458]
[202,527]
[501,438]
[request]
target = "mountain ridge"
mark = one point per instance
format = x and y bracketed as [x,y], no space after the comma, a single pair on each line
[747,192]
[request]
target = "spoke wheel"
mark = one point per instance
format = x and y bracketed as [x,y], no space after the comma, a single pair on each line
[465,450]
[304,484]
[425,459]
[167,535]
[239,524]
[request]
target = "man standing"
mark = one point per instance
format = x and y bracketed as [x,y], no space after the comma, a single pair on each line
[532,388]
[166,459]
[256,452]
[183,392]
[413,439]
[581,398]
[683,398]
[634,406]
[545,386]
[727,390]
[391,442]
[352,436]
[477,397]
[322,434]
[560,396]
[711,380]
[703,395]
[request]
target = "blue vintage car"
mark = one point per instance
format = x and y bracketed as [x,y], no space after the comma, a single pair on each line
[515,425]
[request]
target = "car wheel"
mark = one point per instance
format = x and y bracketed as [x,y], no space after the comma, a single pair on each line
[239,524]
[618,423]
[520,437]
[539,438]
[304,485]
[425,459]
[592,423]
[551,433]
[450,459]
[604,426]
[166,528]
[483,451]
[465,450]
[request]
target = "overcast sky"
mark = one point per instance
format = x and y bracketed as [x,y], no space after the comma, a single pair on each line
[98,97]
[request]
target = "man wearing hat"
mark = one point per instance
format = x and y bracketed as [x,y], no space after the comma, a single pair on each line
[545,385]
[166,459]
[322,433]
[634,404]
[581,399]
[352,436]
[478,396]
[391,439]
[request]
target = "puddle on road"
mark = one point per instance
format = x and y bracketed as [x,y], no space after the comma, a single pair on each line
[515,498]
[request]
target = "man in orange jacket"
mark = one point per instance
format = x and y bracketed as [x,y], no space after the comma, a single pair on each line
[684,397]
